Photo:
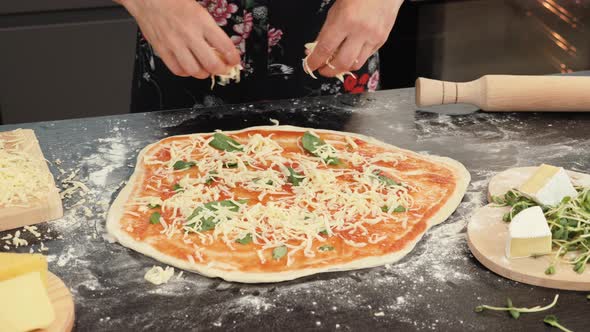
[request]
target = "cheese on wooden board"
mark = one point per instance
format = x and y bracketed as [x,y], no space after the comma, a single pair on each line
[528,234]
[25,305]
[548,185]
[13,265]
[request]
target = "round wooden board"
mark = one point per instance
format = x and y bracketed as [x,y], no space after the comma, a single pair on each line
[487,235]
[63,304]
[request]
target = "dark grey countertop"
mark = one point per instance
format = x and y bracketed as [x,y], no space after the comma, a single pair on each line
[435,287]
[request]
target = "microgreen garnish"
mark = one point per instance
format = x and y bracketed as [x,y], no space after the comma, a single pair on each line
[325,248]
[552,320]
[155,218]
[514,311]
[294,177]
[569,222]
[312,144]
[224,142]
[181,164]
[154,206]
[279,252]
[245,240]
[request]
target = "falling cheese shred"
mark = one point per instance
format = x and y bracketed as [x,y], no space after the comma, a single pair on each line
[23,177]
[329,201]
[310,47]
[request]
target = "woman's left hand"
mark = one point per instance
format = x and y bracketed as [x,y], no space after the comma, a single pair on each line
[354,30]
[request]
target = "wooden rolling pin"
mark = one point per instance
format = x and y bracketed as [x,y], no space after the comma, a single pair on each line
[500,93]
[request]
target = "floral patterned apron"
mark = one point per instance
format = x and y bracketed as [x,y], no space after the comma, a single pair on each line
[270,36]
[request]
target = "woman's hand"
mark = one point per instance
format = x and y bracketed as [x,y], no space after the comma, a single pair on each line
[184,36]
[354,30]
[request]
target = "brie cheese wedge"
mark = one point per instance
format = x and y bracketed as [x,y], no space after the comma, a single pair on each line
[548,186]
[528,234]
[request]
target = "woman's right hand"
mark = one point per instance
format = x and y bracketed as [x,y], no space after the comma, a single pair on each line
[184,36]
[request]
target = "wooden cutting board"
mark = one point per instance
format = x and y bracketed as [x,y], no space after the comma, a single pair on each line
[63,304]
[487,235]
[37,210]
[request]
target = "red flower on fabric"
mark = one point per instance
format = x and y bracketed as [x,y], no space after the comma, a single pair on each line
[373,82]
[220,10]
[243,30]
[354,85]
[274,36]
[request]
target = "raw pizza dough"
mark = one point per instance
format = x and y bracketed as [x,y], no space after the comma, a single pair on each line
[116,212]
[487,235]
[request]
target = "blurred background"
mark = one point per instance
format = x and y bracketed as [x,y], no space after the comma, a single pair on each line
[74,58]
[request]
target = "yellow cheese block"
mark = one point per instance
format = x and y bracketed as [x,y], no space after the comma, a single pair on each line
[13,265]
[25,305]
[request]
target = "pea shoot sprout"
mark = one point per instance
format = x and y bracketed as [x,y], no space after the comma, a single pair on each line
[552,320]
[514,311]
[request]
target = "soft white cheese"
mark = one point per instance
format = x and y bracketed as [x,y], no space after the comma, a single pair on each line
[528,234]
[548,185]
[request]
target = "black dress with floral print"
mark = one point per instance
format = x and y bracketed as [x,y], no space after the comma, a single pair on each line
[270,35]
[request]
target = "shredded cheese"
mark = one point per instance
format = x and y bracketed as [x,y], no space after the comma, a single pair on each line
[334,200]
[310,47]
[23,178]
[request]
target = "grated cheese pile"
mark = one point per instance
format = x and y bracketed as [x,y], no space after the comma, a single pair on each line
[23,178]
[263,204]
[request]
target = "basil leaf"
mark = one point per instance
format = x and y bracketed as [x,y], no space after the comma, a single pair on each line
[294,177]
[245,240]
[324,232]
[384,179]
[325,248]
[230,165]
[155,218]
[399,209]
[226,143]
[176,187]
[211,177]
[154,206]
[279,252]
[311,143]
[209,223]
[181,164]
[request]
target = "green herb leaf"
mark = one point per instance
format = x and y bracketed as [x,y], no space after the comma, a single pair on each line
[384,179]
[324,232]
[552,320]
[226,143]
[230,165]
[515,314]
[311,143]
[176,187]
[155,218]
[154,206]
[209,223]
[181,164]
[580,266]
[294,177]
[245,240]
[211,177]
[550,270]
[279,252]
[325,248]
[399,209]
